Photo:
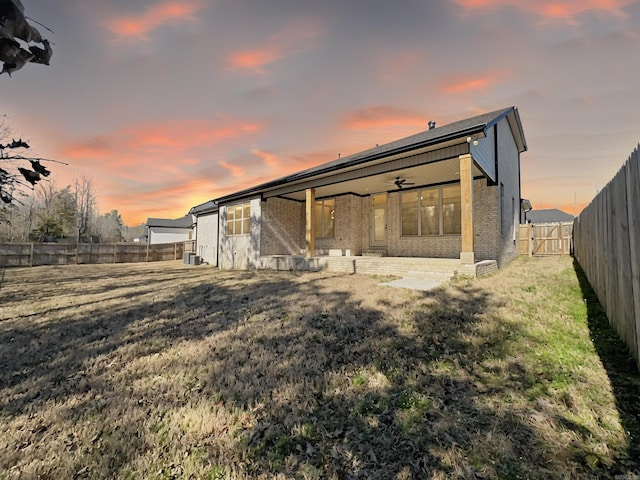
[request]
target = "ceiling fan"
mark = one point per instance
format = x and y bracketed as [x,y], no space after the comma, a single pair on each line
[399,182]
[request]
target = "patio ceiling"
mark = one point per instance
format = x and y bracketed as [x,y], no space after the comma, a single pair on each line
[422,175]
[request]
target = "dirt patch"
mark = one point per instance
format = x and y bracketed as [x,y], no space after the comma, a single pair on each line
[168,371]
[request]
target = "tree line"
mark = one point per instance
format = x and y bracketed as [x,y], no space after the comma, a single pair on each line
[34,209]
[67,214]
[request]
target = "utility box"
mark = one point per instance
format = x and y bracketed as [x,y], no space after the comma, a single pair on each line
[194,259]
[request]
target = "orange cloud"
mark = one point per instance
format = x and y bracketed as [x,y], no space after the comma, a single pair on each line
[171,201]
[269,159]
[253,60]
[136,27]
[470,83]
[564,11]
[165,138]
[289,41]
[382,117]
[236,170]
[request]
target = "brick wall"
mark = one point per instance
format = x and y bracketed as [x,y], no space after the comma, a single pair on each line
[348,224]
[486,220]
[283,227]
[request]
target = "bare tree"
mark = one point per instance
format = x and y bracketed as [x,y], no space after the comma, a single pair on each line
[18,171]
[85,197]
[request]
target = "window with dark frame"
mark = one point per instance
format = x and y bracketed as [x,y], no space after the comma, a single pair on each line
[325,215]
[432,211]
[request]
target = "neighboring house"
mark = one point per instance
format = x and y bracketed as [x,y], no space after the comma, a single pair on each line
[164,230]
[448,192]
[550,215]
[207,224]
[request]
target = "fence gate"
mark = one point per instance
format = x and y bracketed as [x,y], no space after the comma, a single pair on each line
[546,238]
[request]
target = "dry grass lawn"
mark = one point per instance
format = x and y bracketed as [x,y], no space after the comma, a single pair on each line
[163,371]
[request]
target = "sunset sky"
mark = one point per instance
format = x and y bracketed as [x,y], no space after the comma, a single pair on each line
[166,104]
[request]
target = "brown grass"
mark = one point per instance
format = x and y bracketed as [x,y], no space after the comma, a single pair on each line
[169,371]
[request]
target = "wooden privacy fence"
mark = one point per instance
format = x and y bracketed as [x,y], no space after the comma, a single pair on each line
[607,247]
[33,254]
[546,238]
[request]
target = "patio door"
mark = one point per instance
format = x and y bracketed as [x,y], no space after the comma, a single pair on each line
[378,235]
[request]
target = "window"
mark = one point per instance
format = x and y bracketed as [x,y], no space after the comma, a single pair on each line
[410,224]
[430,207]
[451,210]
[238,219]
[325,215]
[434,211]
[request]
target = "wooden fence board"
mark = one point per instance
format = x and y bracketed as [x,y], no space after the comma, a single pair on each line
[25,255]
[607,246]
[633,211]
[546,238]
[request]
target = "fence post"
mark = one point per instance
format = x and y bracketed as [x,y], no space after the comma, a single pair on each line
[175,251]
[115,253]
[31,255]
[147,257]
[530,238]
[560,239]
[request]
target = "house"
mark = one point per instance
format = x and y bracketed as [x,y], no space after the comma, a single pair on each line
[206,215]
[164,230]
[550,215]
[451,191]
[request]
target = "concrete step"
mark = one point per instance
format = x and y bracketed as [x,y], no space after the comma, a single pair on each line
[375,252]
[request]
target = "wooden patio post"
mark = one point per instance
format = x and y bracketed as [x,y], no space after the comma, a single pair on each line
[310,234]
[466,202]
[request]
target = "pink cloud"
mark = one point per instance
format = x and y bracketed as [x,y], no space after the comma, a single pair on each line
[564,11]
[289,41]
[137,27]
[237,171]
[253,60]
[268,159]
[381,117]
[471,83]
[160,138]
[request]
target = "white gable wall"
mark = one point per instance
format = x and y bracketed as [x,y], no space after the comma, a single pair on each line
[207,238]
[169,235]
[240,251]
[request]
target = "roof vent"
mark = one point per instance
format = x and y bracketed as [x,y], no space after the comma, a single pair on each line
[432,125]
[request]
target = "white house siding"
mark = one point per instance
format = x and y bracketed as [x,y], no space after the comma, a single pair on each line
[509,176]
[168,235]
[484,153]
[240,251]
[207,238]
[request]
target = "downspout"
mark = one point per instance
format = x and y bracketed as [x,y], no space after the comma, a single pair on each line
[218,241]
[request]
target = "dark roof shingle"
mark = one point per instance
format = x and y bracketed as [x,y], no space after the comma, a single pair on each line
[550,215]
